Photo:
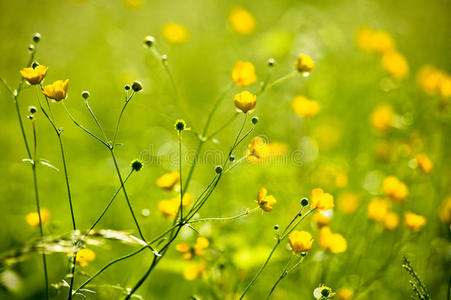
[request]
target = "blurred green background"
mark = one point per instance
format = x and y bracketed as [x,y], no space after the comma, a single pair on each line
[98,45]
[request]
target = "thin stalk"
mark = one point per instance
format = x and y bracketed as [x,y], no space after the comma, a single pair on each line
[181,176]
[247,212]
[120,117]
[126,197]
[84,129]
[271,253]
[280,80]
[156,259]
[96,120]
[108,206]
[38,209]
[284,274]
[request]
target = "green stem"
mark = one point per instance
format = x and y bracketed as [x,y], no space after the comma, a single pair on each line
[247,212]
[272,252]
[96,120]
[120,118]
[280,80]
[181,176]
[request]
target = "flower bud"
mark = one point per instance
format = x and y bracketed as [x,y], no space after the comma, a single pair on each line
[149,41]
[36,37]
[276,227]
[34,64]
[30,117]
[304,202]
[254,120]
[32,109]
[136,165]
[271,62]
[232,158]
[85,94]
[180,125]
[127,87]
[31,47]
[164,58]
[218,169]
[137,86]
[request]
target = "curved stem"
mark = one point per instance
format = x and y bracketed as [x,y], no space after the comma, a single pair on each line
[247,212]
[96,120]
[272,252]
[120,117]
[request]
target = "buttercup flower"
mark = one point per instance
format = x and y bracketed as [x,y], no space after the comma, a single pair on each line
[34,75]
[257,150]
[304,107]
[57,90]
[241,21]
[395,189]
[390,221]
[169,181]
[136,165]
[323,292]
[169,208]
[196,250]
[245,101]
[381,41]
[383,118]
[304,64]
[345,293]
[194,271]
[300,241]
[85,256]
[413,221]
[348,202]
[445,211]
[243,73]
[175,33]
[321,200]
[180,125]
[395,64]
[321,220]
[424,163]
[332,242]
[32,219]
[264,200]
[377,209]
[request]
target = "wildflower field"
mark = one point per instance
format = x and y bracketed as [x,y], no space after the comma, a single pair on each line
[225,149]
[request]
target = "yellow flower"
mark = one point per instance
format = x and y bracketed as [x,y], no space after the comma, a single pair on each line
[390,221]
[383,117]
[429,79]
[241,21]
[245,101]
[85,256]
[194,271]
[381,41]
[175,33]
[445,86]
[348,203]
[258,150]
[196,250]
[321,220]
[364,38]
[332,242]
[445,211]
[243,73]
[304,64]
[327,136]
[345,293]
[321,200]
[34,76]
[413,221]
[170,208]
[300,241]
[57,90]
[323,292]
[304,107]
[377,209]
[33,218]
[395,189]
[424,163]
[264,200]
[395,64]
[169,181]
